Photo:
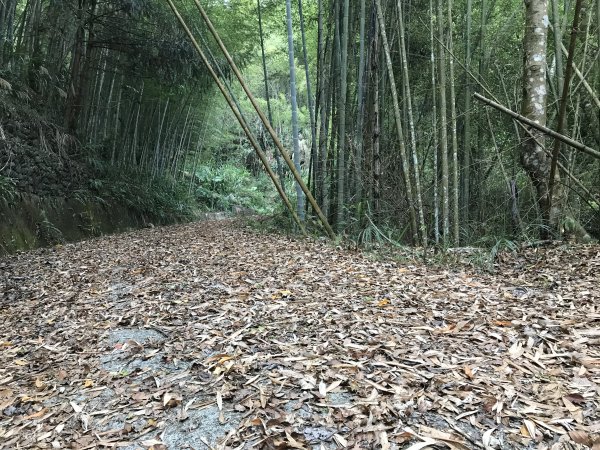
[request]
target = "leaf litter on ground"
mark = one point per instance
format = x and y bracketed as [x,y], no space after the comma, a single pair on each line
[211,335]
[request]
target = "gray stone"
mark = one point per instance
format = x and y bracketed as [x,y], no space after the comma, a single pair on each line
[201,425]
[123,361]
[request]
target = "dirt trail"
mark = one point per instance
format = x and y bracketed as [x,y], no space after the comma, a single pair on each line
[211,335]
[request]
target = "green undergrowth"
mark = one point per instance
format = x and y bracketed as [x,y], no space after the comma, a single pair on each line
[383,242]
[158,197]
[280,222]
[212,188]
[229,187]
[8,190]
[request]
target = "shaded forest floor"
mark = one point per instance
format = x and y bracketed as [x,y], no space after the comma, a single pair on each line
[212,335]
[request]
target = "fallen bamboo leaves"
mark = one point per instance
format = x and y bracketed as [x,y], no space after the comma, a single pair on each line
[136,340]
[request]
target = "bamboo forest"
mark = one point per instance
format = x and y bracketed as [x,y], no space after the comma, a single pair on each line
[307,224]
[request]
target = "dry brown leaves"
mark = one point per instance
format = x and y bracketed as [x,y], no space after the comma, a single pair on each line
[294,345]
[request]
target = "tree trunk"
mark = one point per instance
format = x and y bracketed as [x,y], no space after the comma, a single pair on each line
[267,93]
[117,120]
[557,48]
[7,16]
[135,144]
[376,123]
[533,155]
[320,106]
[555,208]
[81,65]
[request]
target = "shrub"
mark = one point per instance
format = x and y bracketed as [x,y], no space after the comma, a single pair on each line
[227,186]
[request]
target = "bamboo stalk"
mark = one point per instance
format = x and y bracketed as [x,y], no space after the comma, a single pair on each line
[454,134]
[396,107]
[443,123]
[581,77]
[563,103]
[294,105]
[411,122]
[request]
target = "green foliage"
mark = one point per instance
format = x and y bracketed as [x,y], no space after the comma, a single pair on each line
[373,235]
[489,249]
[502,245]
[145,102]
[160,197]
[85,196]
[280,222]
[90,225]
[47,232]
[227,186]
[8,190]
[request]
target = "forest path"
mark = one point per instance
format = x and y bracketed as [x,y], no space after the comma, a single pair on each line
[184,336]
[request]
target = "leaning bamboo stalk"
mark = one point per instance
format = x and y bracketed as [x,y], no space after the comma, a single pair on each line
[238,116]
[567,140]
[264,120]
[518,117]
[522,119]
